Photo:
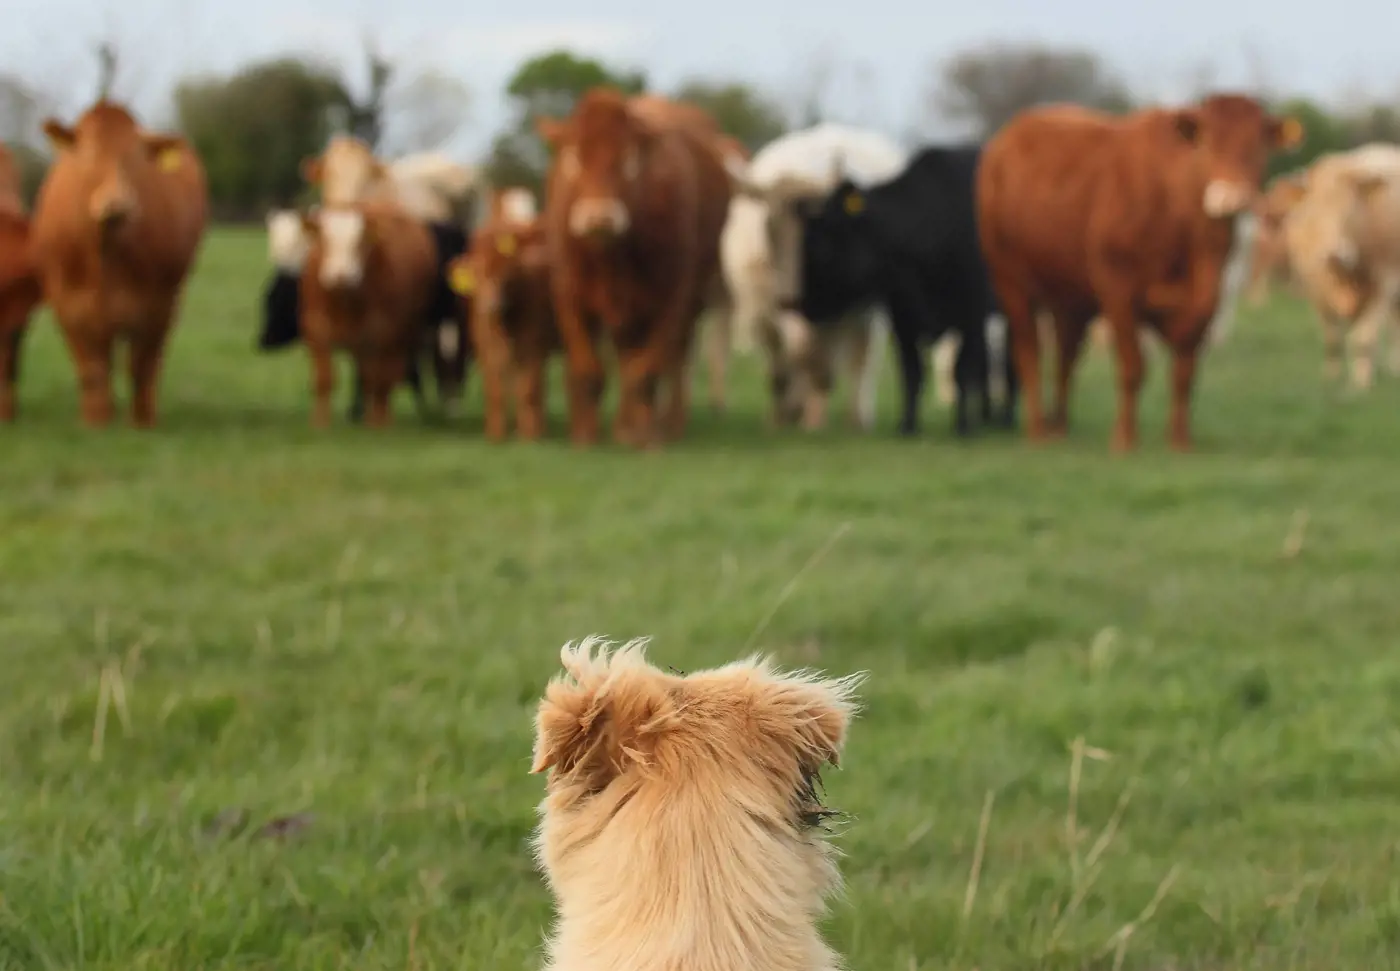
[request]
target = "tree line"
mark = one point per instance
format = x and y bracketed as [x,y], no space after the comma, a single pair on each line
[253,127]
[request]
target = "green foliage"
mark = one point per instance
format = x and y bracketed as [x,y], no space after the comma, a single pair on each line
[358,625]
[741,110]
[32,165]
[547,87]
[253,129]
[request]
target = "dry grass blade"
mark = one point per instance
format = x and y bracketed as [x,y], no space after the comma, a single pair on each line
[1111,830]
[1076,769]
[974,878]
[99,722]
[791,586]
[1118,943]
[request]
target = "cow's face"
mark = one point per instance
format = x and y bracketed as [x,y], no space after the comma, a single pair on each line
[786,203]
[114,157]
[345,239]
[840,261]
[345,171]
[1233,137]
[602,152]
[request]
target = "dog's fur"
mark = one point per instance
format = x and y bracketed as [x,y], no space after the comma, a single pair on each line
[681,829]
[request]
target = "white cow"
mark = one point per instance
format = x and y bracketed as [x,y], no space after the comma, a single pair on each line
[760,253]
[287,244]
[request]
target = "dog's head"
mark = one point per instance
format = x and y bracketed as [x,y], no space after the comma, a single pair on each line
[655,777]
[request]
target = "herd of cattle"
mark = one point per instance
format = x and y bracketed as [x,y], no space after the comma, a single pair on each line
[813,249]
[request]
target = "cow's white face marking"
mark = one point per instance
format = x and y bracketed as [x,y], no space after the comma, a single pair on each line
[342,236]
[606,217]
[1224,198]
[286,241]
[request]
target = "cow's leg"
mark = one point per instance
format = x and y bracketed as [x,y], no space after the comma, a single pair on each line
[10,346]
[383,372]
[146,354]
[356,412]
[529,395]
[780,374]
[911,368]
[323,383]
[821,366]
[584,367]
[945,358]
[1333,335]
[863,364]
[639,374]
[1361,344]
[493,353]
[1183,380]
[1127,345]
[1023,342]
[1070,333]
[92,358]
[677,371]
[413,373]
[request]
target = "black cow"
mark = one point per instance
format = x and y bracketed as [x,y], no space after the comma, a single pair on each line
[910,243]
[448,351]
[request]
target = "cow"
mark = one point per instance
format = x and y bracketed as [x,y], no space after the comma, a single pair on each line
[1269,260]
[636,202]
[506,276]
[911,245]
[760,252]
[1343,237]
[367,287]
[20,296]
[1082,213]
[439,192]
[117,225]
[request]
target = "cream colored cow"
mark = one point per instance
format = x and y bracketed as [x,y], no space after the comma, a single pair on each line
[1343,240]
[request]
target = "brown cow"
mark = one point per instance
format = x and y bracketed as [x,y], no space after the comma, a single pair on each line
[637,197]
[367,286]
[1083,213]
[506,275]
[20,295]
[116,229]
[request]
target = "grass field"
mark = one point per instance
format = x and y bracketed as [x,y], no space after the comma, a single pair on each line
[1157,737]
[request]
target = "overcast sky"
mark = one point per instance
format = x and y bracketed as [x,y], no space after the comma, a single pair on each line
[878,52]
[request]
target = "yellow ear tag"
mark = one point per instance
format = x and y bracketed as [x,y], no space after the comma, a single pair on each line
[505,245]
[854,203]
[1292,132]
[169,160]
[462,280]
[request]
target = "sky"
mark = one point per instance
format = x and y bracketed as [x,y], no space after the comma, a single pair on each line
[876,56]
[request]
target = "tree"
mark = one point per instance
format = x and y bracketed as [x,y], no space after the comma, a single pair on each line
[22,109]
[740,110]
[547,86]
[1322,133]
[253,129]
[425,113]
[986,87]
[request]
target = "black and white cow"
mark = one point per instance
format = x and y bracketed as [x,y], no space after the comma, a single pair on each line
[911,244]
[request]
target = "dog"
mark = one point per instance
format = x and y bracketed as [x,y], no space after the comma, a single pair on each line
[682,825]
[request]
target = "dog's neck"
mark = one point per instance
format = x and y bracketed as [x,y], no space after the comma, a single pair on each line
[702,888]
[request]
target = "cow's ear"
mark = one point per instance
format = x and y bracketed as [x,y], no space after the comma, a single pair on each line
[311,170]
[60,136]
[1187,122]
[167,151]
[552,131]
[1286,132]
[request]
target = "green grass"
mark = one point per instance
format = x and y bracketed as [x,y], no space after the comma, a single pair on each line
[358,625]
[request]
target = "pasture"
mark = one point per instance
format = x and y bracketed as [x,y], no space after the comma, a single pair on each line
[1122,712]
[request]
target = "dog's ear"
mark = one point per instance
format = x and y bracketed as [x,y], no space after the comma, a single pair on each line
[811,715]
[602,716]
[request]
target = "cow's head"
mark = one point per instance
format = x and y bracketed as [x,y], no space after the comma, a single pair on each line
[787,201]
[115,160]
[501,251]
[1233,136]
[287,242]
[345,171]
[601,154]
[840,255]
[345,239]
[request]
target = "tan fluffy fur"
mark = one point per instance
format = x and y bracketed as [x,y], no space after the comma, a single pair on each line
[672,832]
